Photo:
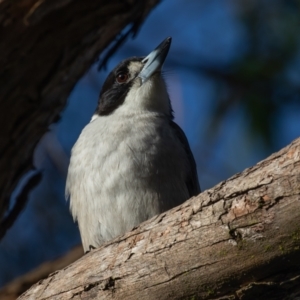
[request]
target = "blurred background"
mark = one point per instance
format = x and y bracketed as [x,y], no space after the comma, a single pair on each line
[233,75]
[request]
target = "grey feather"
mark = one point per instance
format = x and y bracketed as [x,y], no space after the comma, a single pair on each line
[192,181]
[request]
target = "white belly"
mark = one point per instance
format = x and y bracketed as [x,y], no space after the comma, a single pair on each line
[123,172]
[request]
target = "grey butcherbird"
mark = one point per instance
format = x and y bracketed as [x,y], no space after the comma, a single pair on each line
[131,161]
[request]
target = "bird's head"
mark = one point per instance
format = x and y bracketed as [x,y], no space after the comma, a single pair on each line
[136,85]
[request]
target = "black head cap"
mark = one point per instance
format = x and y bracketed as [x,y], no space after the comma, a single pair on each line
[113,94]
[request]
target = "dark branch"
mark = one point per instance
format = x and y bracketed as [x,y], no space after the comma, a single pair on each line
[21,201]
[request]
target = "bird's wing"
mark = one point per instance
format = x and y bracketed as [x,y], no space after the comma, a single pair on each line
[192,182]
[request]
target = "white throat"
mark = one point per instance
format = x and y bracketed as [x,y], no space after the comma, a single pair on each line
[152,96]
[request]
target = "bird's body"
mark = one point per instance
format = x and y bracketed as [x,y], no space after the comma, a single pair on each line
[131,161]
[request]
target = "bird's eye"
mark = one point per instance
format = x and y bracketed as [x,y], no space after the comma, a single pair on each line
[122,77]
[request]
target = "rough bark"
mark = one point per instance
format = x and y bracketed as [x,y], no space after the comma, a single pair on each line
[46,46]
[238,240]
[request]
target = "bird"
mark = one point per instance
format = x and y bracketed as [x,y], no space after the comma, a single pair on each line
[131,161]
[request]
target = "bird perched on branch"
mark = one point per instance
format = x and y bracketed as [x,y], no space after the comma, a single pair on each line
[131,161]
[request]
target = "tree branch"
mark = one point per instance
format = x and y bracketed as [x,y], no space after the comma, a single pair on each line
[21,201]
[238,240]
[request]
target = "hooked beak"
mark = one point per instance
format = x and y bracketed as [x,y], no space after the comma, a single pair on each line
[155,60]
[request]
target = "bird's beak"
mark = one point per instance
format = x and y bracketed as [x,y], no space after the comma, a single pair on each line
[155,60]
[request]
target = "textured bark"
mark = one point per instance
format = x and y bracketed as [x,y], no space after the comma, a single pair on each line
[238,240]
[46,46]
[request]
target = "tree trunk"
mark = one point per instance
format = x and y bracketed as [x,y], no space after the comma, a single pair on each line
[238,240]
[46,46]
